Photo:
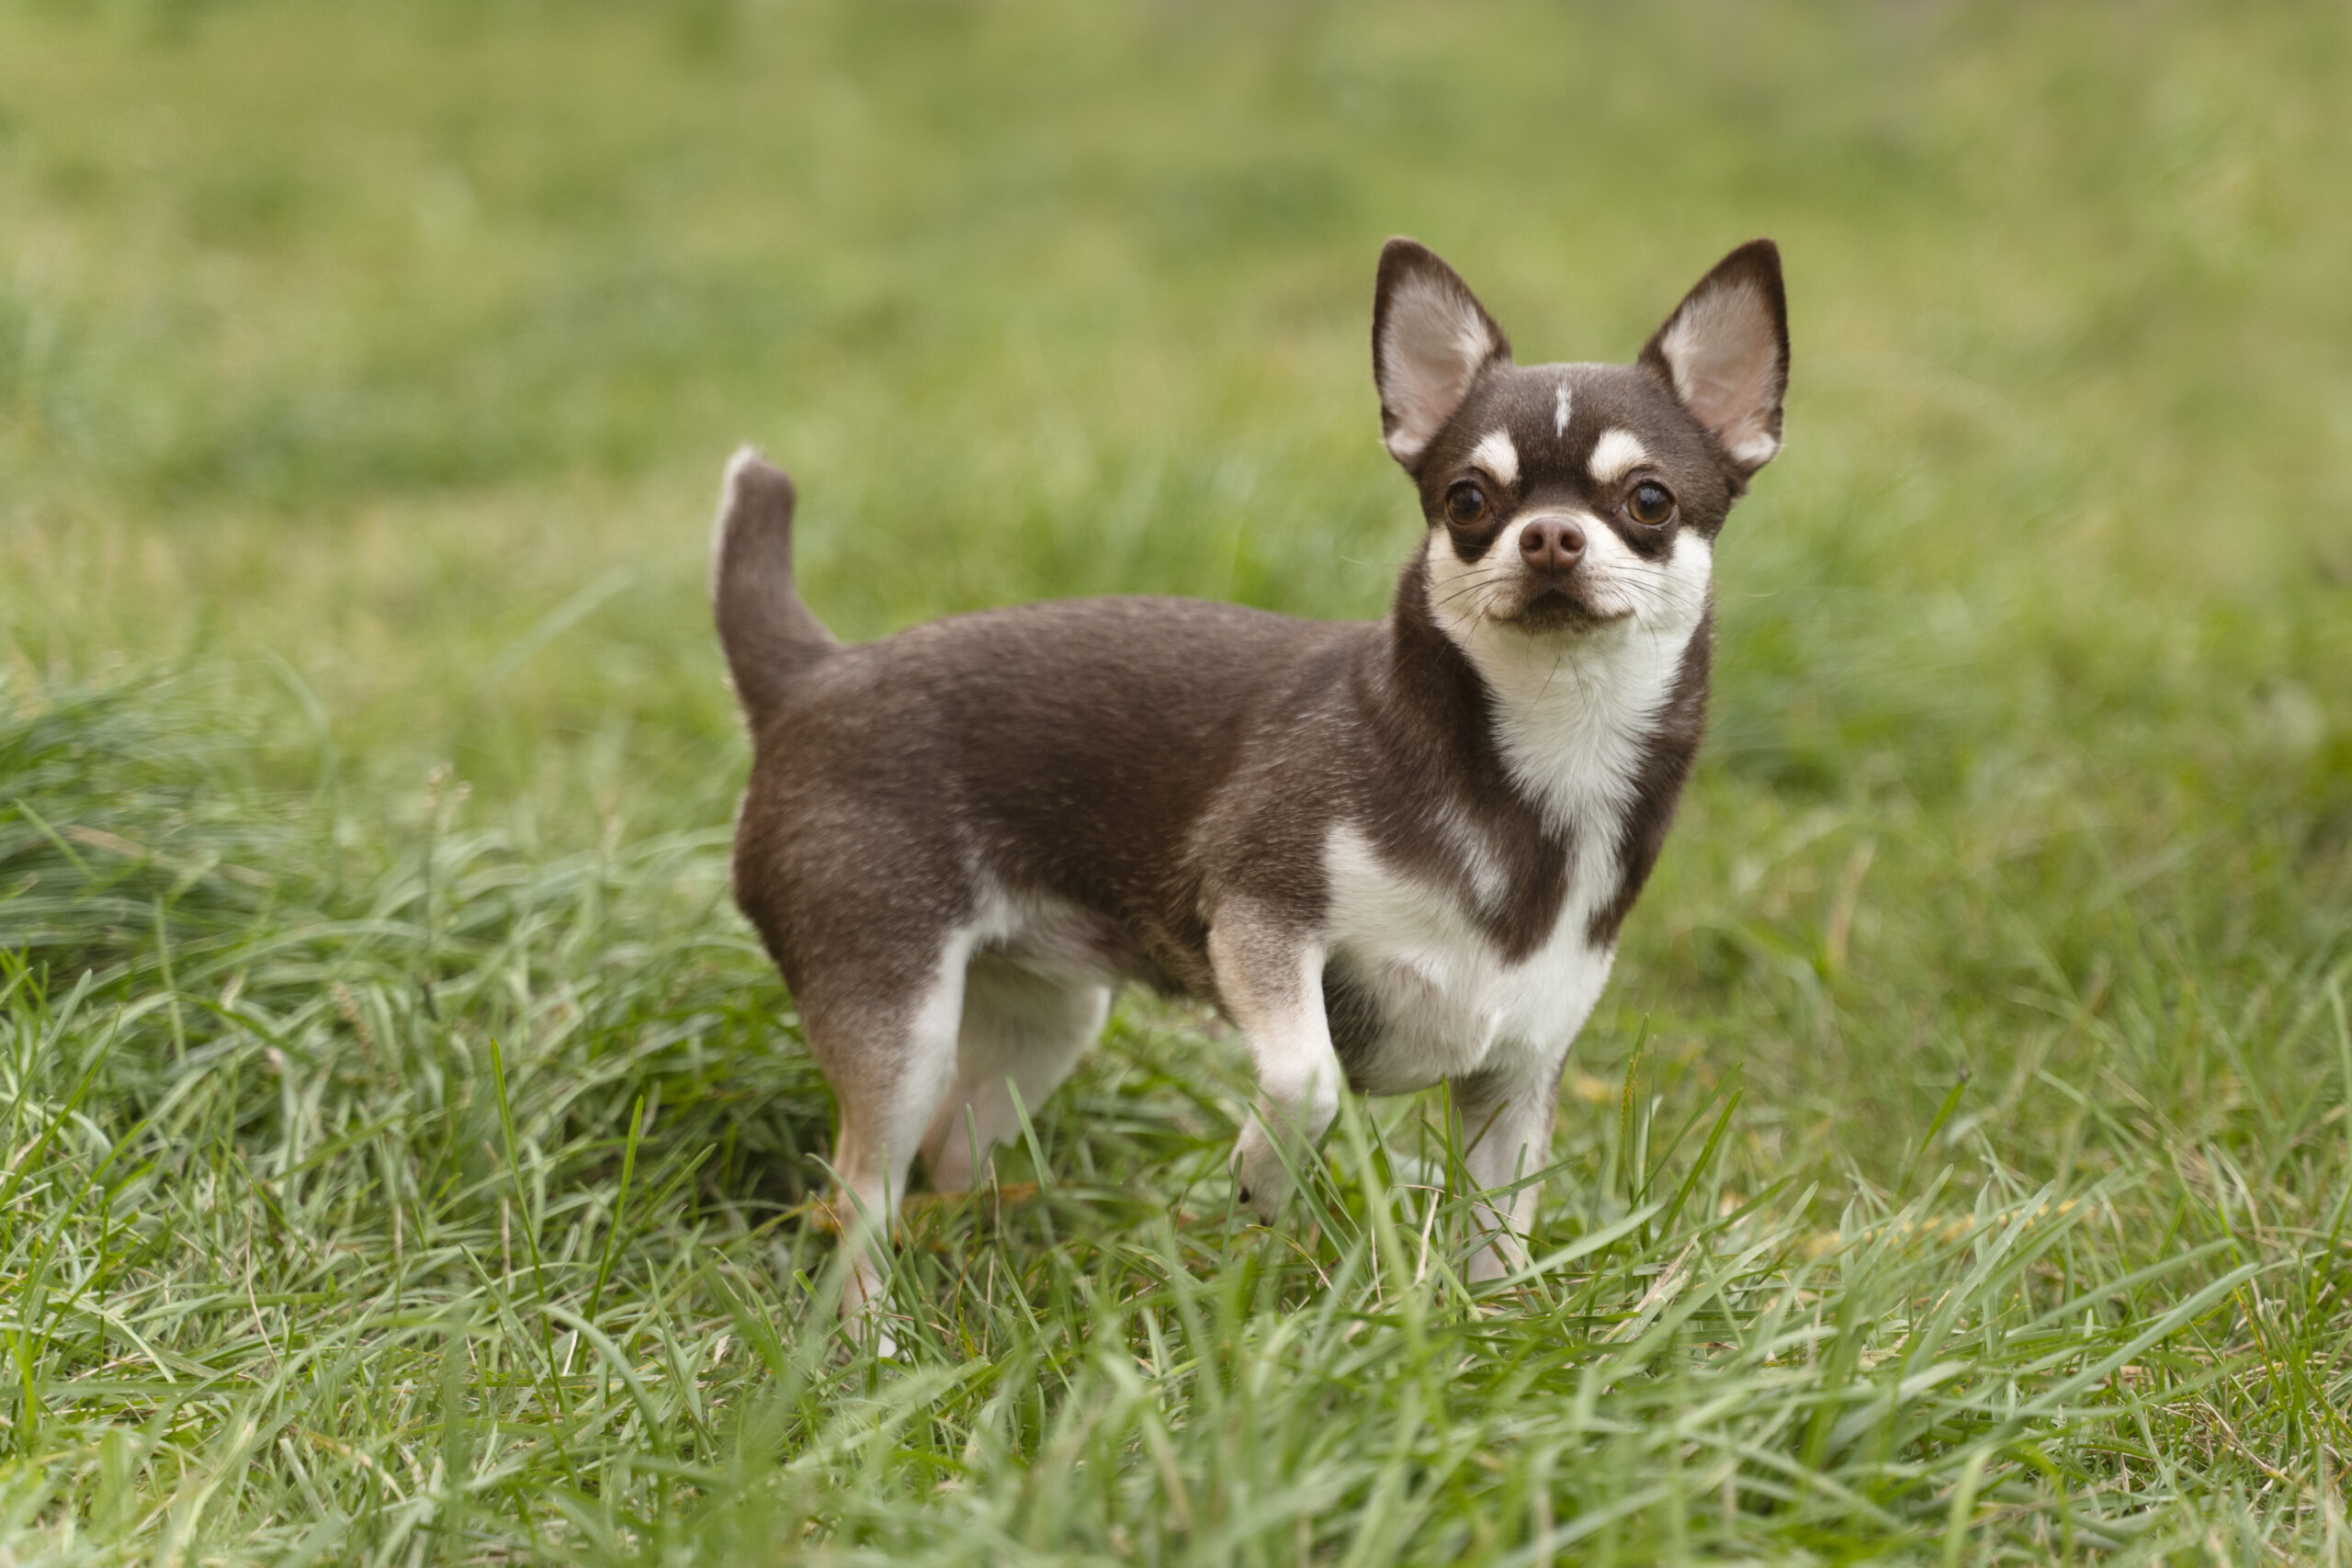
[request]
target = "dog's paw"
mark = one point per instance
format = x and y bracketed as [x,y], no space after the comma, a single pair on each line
[1260,1183]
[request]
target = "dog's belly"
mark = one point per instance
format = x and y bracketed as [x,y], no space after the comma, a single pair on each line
[1417,993]
[1057,940]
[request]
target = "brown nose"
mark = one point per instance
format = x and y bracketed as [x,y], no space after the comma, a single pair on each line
[1551,544]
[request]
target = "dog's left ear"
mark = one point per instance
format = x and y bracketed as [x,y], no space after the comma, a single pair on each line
[1725,352]
[1429,339]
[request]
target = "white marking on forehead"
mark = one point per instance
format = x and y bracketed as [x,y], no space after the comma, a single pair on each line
[1560,410]
[1497,457]
[1615,455]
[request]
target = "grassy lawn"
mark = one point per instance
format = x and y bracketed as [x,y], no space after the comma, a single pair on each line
[404,1147]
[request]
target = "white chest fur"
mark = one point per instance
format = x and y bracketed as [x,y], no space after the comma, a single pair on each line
[1572,717]
[1448,1001]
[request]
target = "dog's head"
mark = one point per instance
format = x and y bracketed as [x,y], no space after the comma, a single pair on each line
[1566,498]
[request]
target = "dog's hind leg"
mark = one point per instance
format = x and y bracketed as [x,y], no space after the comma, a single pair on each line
[890,1056]
[1019,1029]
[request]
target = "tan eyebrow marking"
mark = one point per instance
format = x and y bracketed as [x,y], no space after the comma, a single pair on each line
[1615,455]
[1496,454]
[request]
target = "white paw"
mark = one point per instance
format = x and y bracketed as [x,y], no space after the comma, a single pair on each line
[1259,1182]
[1505,1254]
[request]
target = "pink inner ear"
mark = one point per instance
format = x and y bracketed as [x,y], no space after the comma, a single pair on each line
[1725,358]
[1431,346]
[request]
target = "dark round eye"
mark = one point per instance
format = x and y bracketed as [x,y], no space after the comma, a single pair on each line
[1651,503]
[1465,503]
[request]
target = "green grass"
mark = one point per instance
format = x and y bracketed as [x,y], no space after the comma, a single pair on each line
[403,1147]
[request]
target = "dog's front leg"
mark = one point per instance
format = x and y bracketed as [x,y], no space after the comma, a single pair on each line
[1270,978]
[1506,1114]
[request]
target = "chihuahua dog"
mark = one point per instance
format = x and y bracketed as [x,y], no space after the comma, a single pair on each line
[1391,852]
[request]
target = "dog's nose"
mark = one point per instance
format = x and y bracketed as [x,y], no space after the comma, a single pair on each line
[1551,544]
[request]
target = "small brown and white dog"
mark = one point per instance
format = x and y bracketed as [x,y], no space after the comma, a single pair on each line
[1391,852]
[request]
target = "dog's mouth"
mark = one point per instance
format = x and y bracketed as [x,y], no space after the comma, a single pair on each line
[1555,609]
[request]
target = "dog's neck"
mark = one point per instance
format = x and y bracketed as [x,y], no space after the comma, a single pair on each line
[1567,718]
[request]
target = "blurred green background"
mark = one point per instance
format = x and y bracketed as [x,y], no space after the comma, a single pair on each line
[366,374]
[404,341]
[388,355]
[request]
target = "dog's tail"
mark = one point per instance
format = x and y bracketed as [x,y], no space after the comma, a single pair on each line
[770,637]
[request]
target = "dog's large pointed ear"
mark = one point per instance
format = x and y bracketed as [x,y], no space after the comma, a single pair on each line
[1429,339]
[1725,352]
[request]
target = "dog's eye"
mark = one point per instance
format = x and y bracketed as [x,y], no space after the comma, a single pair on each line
[1465,503]
[1651,503]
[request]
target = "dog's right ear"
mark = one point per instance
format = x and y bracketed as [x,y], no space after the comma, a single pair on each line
[1429,339]
[1725,352]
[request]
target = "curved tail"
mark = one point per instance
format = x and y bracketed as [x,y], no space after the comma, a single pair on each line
[769,636]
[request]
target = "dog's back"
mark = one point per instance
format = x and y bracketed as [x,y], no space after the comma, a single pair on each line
[1067,752]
